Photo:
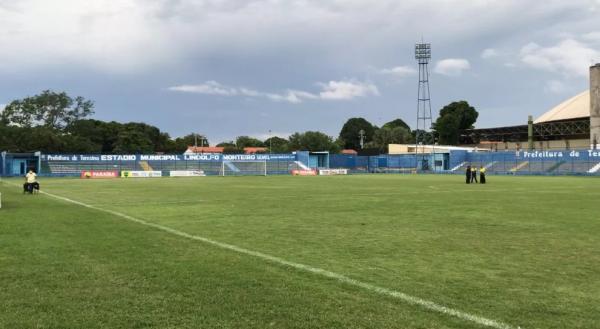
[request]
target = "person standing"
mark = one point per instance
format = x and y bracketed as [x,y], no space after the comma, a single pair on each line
[468,174]
[482,175]
[474,175]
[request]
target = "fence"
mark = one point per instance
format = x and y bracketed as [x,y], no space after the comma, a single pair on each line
[555,162]
[221,165]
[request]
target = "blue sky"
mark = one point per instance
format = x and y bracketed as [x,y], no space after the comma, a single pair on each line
[226,68]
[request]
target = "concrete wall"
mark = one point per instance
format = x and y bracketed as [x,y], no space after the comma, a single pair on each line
[595,105]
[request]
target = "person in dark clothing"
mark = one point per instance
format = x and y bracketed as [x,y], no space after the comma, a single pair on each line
[474,175]
[482,175]
[468,174]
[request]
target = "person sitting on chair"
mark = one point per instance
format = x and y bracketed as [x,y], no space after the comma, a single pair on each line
[30,182]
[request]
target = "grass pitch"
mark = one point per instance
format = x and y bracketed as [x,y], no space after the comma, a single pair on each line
[523,251]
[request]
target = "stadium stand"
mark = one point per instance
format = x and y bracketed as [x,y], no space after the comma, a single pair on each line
[594,169]
[565,162]
[520,166]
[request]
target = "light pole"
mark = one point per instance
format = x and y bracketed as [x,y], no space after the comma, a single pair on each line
[270,142]
[361,135]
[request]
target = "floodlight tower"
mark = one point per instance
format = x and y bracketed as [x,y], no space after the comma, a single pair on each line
[424,121]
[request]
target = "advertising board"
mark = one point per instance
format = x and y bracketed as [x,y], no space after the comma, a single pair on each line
[332,172]
[99,174]
[304,172]
[186,173]
[140,174]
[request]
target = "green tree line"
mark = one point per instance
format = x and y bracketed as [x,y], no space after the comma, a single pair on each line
[54,122]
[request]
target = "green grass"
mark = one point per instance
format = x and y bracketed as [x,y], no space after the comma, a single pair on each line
[524,251]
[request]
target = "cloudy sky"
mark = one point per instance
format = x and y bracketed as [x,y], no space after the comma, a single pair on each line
[226,68]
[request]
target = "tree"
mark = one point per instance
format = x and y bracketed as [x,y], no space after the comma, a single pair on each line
[54,122]
[454,118]
[350,132]
[278,144]
[313,141]
[181,144]
[424,137]
[396,123]
[226,144]
[244,141]
[386,135]
[229,147]
[49,109]
[132,141]
[98,132]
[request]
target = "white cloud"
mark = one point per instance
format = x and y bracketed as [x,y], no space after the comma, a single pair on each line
[132,34]
[333,90]
[452,66]
[208,88]
[344,90]
[291,96]
[489,53]
[591,36]
[555,87]
[569,57]
[399,71]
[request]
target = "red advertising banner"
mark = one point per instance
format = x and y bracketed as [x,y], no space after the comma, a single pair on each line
[304,172]
[99,174]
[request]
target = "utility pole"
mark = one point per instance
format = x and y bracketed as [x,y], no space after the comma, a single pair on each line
[361,135]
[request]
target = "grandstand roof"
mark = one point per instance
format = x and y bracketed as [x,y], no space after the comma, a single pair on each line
[573,108]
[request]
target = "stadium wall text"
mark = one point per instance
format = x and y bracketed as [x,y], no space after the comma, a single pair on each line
[558,154]
[167,157]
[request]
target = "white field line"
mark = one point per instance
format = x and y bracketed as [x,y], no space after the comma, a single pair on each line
[432,306]
[456,168]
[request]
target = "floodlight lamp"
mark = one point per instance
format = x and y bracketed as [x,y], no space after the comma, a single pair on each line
[423,52]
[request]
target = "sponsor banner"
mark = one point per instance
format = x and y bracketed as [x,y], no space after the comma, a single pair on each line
[99,174]
[332,172]
[166,157]
[140,174]
[304,172]
[563,155]
[186,173]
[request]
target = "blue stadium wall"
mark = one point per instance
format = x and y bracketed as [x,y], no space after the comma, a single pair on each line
[555,162]
[210,164]
[17,164]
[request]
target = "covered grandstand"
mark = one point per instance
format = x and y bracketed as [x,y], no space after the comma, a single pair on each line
[565,126]
[572,124]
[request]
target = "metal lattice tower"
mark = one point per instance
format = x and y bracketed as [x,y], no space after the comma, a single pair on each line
[424,119]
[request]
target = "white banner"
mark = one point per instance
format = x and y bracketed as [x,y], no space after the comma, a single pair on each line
[331,172]
[141,174]
[186,173]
